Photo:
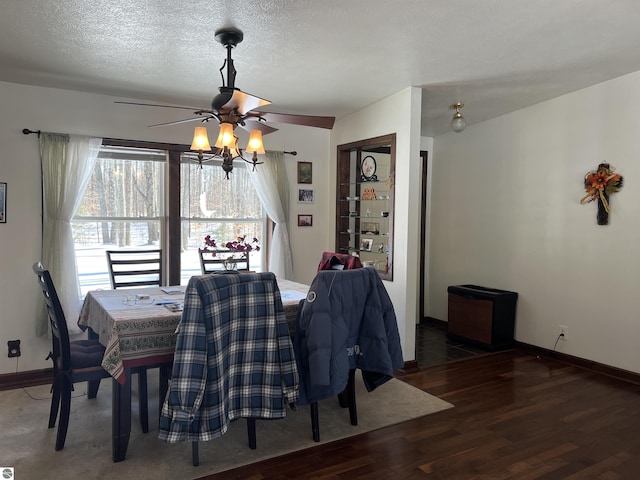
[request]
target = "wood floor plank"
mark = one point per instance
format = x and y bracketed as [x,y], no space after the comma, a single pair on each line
[516,416]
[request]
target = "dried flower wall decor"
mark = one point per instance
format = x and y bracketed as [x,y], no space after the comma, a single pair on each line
[599,184]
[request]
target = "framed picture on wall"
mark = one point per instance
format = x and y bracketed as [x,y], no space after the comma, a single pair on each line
[305,220]
[305,195]
[3,202]
[305,172]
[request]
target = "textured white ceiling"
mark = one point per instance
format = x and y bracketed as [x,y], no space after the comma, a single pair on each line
[325,57]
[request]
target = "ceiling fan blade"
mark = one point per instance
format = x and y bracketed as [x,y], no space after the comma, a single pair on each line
[158,105]
[256,125]
[243,102]
[176,122]
[306,120]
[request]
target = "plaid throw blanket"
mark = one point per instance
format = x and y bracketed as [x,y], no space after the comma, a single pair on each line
[233,358]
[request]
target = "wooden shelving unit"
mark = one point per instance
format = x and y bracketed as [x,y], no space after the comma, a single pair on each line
[364,203]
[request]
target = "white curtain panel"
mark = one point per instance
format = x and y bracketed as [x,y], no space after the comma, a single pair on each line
[272,185]
[67,165]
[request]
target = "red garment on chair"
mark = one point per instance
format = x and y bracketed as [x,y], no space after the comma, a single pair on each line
[331,259]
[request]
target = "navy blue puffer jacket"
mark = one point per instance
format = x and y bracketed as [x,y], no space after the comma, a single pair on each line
[347,321]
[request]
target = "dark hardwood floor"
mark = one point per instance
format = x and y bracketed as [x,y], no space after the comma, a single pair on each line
[434,348]
[516,416]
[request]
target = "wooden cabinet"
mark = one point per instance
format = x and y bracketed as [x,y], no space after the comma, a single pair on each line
[482,316]
[364,204]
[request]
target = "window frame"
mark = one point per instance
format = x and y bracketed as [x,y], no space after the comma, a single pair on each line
[171,223]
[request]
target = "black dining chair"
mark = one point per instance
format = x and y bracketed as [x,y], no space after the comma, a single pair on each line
[77,361]
[250,380]
[212,262]
[349,316]
[138,268]
[135,268]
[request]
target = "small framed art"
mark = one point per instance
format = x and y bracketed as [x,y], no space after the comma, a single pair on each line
[365,244]
[305,220]
[305,195]
[3,202]
[371,228]
[305,172]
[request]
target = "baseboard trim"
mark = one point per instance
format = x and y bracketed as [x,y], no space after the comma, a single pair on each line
[608,370]
[410,366]
[9,381]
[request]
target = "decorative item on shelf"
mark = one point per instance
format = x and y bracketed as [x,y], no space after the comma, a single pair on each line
[371,228]
[368,169]
[365,244]
[381,247]
[599,184]
[368,193]
[234,251]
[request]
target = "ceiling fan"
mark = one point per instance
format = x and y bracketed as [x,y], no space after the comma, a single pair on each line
[233,108]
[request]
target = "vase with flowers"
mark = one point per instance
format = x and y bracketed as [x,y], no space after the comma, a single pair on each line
[231,252]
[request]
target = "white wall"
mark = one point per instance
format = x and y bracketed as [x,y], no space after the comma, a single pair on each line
[65,111]
[399,114]
[505,213]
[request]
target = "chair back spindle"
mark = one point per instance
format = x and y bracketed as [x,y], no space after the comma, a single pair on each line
[135,268]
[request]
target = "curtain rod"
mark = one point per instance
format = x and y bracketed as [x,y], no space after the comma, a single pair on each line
[26,131]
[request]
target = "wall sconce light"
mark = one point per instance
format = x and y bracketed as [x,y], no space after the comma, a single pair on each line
[458,122]
[226,147]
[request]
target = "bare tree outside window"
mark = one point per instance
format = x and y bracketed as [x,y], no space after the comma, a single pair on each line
[123,207]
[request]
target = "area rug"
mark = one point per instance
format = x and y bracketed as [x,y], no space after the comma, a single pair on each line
[27,444]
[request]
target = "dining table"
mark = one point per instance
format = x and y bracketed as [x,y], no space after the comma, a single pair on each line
[138,326]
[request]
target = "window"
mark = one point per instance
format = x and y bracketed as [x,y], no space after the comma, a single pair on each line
[213,205]
[124,206]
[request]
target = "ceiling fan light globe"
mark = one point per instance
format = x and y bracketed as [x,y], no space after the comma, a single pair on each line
[200,140]
[255,142]
[225,137]
[458,123]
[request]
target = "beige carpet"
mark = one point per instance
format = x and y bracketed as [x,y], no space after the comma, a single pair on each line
[28,445]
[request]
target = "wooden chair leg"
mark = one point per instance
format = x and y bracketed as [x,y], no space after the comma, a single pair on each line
[315,425]
[195,458]
[65,409]
[92,388]
[165,377]
[55,402]
[251,432]
[351,397]
[143,400]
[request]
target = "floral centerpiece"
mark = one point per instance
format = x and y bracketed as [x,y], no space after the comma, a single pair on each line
[234,250]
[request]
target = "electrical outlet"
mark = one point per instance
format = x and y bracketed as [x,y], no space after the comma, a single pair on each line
[563,332]
[14,348]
